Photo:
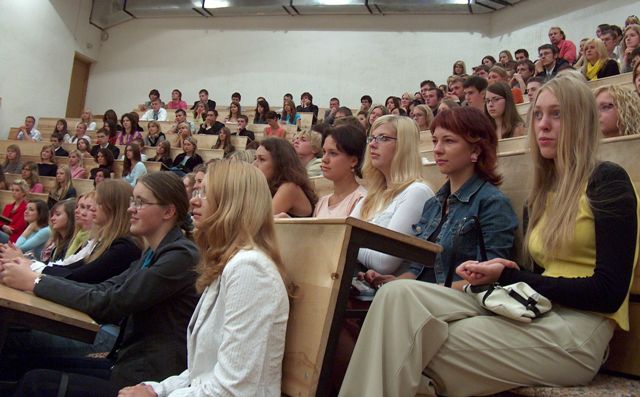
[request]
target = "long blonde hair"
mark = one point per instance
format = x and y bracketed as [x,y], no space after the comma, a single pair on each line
[566,176]
[627,104]
[405,166]
[113,196]
[241,216]
[61,189]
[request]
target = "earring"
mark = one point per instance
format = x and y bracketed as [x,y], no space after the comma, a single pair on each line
[474,158]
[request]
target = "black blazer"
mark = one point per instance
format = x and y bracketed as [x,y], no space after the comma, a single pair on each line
[156,301]
[113,148]
[192,162]
[60,152]
[610,68]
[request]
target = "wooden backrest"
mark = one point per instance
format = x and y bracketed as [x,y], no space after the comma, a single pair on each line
[306,120]
[82,186]
[6,197]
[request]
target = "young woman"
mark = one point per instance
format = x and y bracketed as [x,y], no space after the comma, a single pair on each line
[447,104]
[501,108]
[9,232]
[84,147]
[464,146]
[176,101]
[155,297]
[224,142]
[308,147]
[392,102]
[76,165]
[260,116]
[505,58]
[289,114]
[374,113]
[597,62]
[62,129]
[64,186]
[87,118]
[183,132]
[163,154]
[234,112]
[396,192]
[84,213]
[489,61]
[230,324]
[423,116]
[80,132]
[575,202]
[189,182]
[130,129]
[47,165]
[35,236]
[31,176]
[363,118]
[133,168]
[630,42]
[105,160]
[154,134]
[341,163]
[459,69]
[12,162]
[618,108]
[290,187]
[199,113]
[188,159]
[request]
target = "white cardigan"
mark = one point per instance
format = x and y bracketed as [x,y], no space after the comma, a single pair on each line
[236,336]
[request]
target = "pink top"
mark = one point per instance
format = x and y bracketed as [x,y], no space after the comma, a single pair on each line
[78,173]
[280,132]
[341,209]
[177,105]
[567,51]
[37,188]
[125,139]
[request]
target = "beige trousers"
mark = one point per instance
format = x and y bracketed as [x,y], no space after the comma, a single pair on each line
[424,339]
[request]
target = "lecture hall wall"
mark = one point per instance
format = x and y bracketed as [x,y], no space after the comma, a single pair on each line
[344,56]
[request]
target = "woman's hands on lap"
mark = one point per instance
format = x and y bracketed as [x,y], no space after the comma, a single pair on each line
[479,273]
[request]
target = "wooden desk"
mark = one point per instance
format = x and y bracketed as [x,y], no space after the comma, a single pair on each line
[25,309]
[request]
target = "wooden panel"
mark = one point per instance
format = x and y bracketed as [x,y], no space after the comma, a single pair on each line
[306,120]
[78,86]
[6,197]
[82,186]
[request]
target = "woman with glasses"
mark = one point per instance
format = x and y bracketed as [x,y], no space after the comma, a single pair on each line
[154,298]
[396,192]
[501,108]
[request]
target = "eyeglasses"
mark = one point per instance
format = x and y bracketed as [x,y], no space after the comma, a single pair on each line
[199,194]
[137,203]
[380,139]
[493,100]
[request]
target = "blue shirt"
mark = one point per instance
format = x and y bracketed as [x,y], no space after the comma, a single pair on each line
[476,197]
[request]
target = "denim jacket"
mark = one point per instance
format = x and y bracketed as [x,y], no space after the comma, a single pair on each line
[478,198]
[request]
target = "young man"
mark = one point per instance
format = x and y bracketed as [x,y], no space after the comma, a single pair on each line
[432,98]
[330,114]
[566,48]
[157,112]
[456,90]
[521,55]
[242,128]
[274,128]
[204,98]
[474,90]
[549,64]
[610,39]
[56,141]
[102,140]
[236,97]
[524,71]
[481,71]
[28,132]
[533,85]
[181,117]
[425,86]
[365,103]
[307,106]
[211,125]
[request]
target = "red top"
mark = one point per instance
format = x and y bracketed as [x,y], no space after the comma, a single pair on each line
[17,219]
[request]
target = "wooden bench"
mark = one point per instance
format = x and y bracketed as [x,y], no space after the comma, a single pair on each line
[322,288]
[82,186]
[506,145]
[6,197]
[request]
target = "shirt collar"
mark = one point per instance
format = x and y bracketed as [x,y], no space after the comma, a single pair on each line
[470,187]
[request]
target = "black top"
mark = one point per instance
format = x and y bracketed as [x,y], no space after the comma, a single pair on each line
[166,161]
[610,68]
[45,169]
[192,162]
[560,65]
[613,203]
[310,109]
[211,105]
[113,148]
[249,134]
[212,130]
[60,152]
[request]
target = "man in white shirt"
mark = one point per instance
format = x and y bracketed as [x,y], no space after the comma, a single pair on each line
[27,132]
[156,112]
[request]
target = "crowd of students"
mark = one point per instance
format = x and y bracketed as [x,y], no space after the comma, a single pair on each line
[124,254]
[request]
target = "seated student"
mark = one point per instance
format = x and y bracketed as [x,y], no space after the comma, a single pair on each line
[62,129]
[12,162]
[154,134]
[130,129]
[630,42]
[76,165]
[100,175]
[308,147]
[84,147]
[140,143]
[363,116]
[235,111]
[9,232]
[587,271]
[374,113]
[525,69]
[498,74]
[63,188]
[396,193]
[87,118]
[185,161]
[307,106]
[549,63]
[182,132]
[224,142]
[37,232]
[423,116]
[199,113]
[105,163]
[474,92]
[289,114]
[465,145]
[341,163]
[274,129]
[61,223]
[31,177]
[502,110]
[566,48]
[102,141]
[533,85]
[56,143]
[27,132]
[242,128]
[262,108]
[163,154]
[154,298]
[597,62]
[236,338]
[236,98]
[330,114]
[47,165]
[176,101]
[447,104]
[153,95]
[83,217]
[291,189]
[133,168]
[505,60]
[204,98]
[211,125]
[79,133]
[618,108]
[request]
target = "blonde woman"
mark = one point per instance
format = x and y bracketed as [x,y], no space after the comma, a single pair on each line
[308,146]
[87,118]
[182,132]
[31,176]
[64,187]
[437,338]
[12,162]
[423,116]
[597,62]
[47,165]
[76,165]
[236,337]
[618,108]
[396,192]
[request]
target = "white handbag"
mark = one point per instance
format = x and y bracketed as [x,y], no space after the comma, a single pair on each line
[516,301]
